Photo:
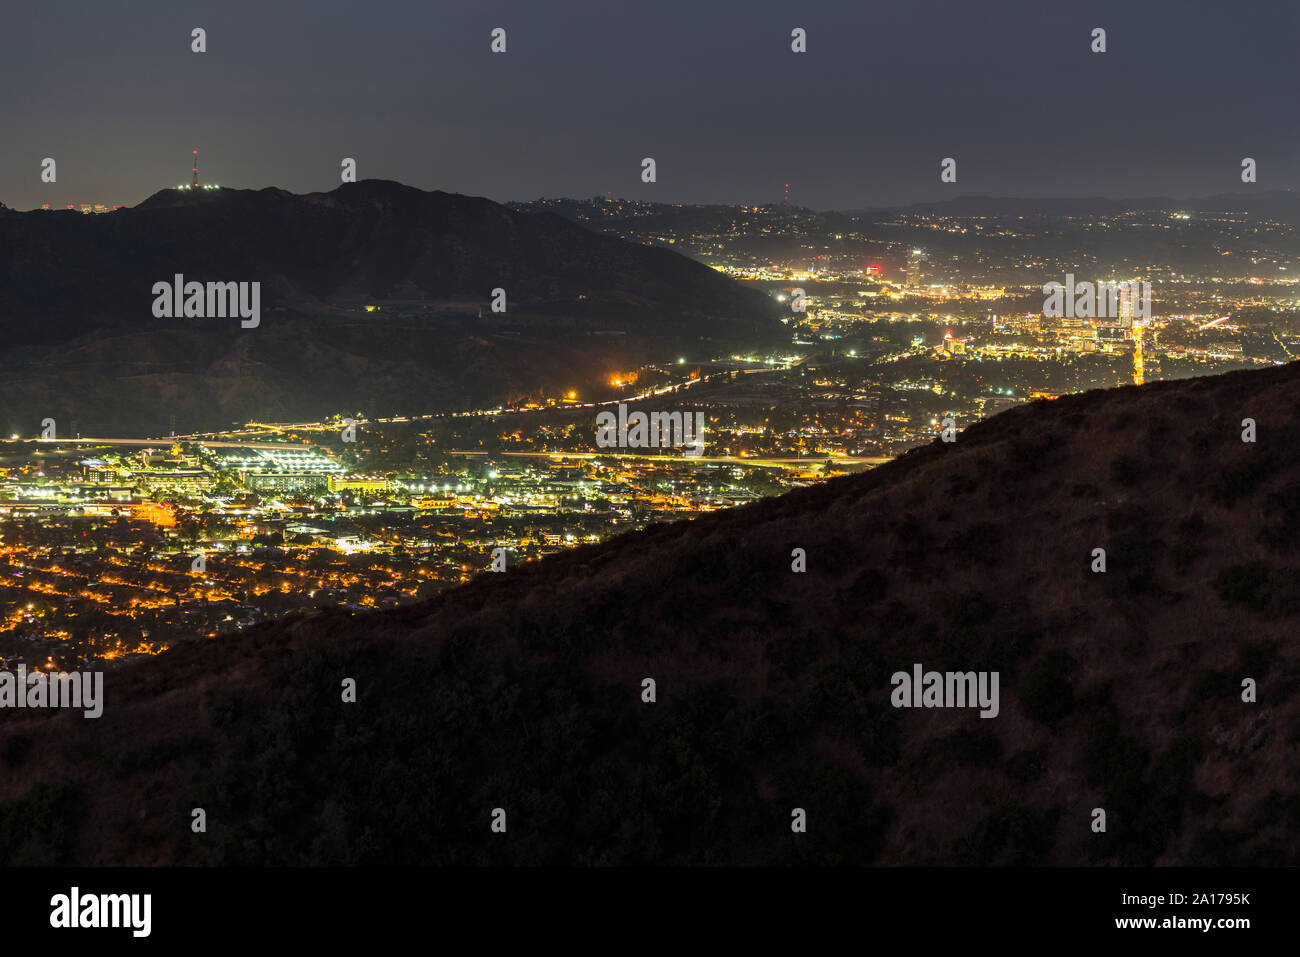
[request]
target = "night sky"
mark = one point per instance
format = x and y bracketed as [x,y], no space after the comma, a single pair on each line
[710,89]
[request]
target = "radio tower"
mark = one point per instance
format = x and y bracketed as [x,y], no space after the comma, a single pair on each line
[196,169]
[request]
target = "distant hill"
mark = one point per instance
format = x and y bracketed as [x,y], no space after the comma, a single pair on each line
[81,342]
[1002,241]
[1119,690]
[1282,204]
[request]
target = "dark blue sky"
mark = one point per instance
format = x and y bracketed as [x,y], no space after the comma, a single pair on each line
[708,88]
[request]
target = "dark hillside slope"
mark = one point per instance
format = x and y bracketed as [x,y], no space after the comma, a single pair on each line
[522,691]
[64,274]
[80,343]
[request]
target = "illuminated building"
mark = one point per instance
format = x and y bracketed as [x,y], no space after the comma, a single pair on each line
[1125,296]
[98,472]
[429,504]
[357,483]
[155,513]
[916,269]
[174,478]
[284,481]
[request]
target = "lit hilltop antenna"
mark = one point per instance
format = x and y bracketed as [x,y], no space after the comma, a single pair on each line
[196,169]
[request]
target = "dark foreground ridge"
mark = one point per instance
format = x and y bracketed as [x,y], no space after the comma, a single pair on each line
[523,691]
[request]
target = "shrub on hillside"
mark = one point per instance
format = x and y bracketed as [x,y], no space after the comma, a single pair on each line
[1274,592]
[1125,470]
[37,829]
[1046,697]
[1241,479]
[1011,835]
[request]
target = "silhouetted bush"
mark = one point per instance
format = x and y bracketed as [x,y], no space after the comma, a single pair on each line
[1034,453]
[1282,509]
[963,748]
[1144,799]
[970,609]
[39,829]
[1270,591]
[1011,835]
[844,826]
[1240,479]
[978,544]
[871,586]
[1026,767]
[1045,696]
[1209,687]
[1125,470]
[14,751]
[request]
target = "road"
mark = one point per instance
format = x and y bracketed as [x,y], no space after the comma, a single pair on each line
[724,459]
[281,427]
[156,443]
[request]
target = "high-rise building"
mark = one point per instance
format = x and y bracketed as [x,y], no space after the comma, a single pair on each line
[1125,294]
[916,270]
